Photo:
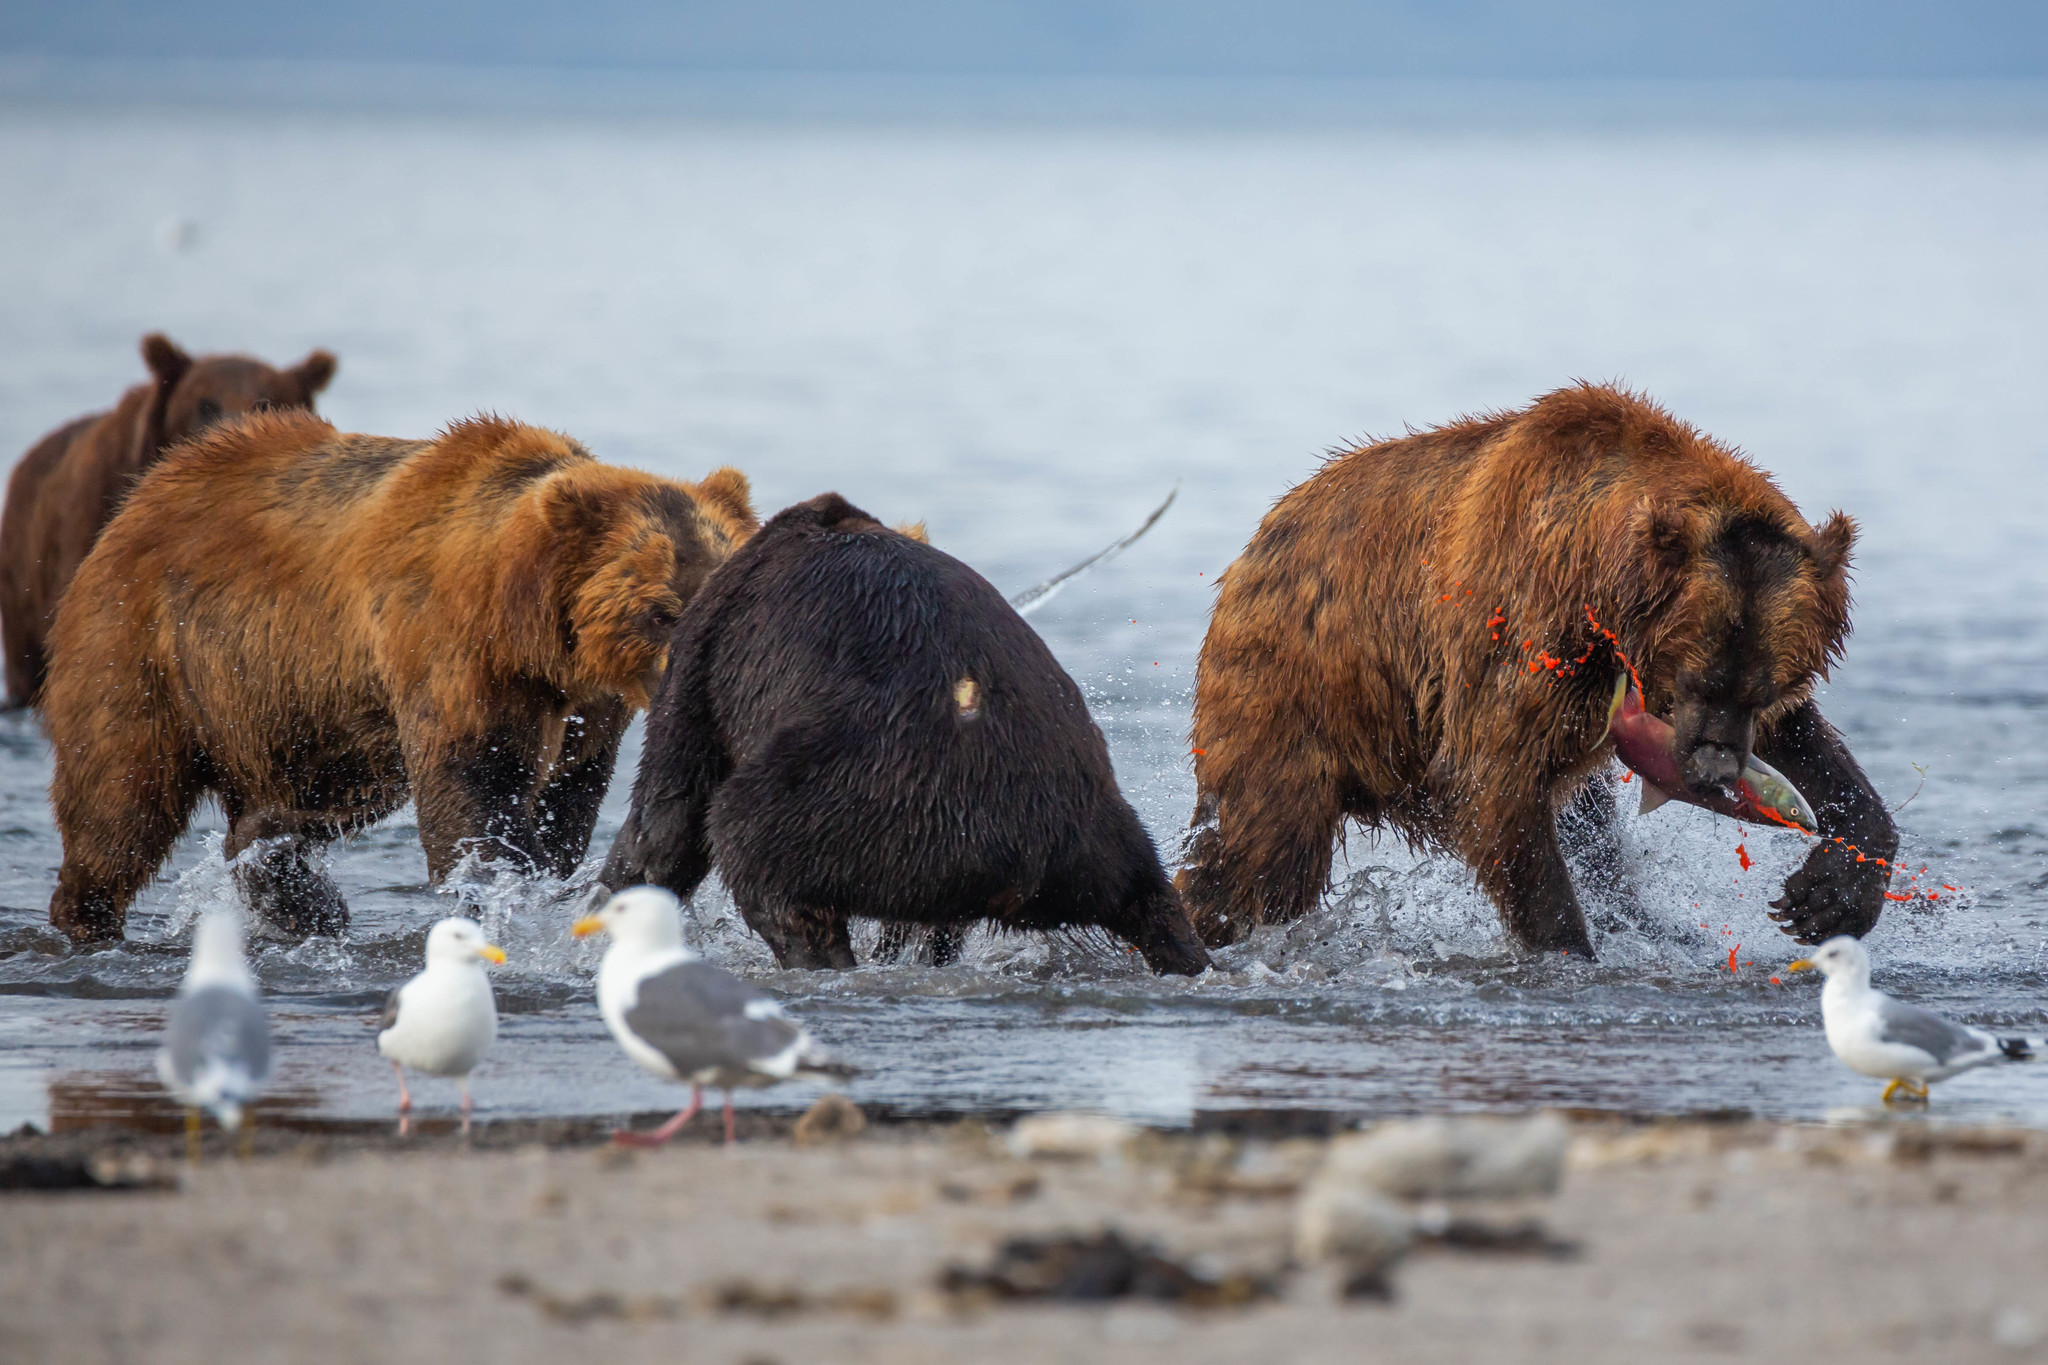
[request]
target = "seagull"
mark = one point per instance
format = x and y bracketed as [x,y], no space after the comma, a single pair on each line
[1902,1044]
[445,1019]
[686,1020]
[216,1052]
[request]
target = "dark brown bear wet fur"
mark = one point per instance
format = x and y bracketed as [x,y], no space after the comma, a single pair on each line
[1409,640]
[855,724]
[315,626]
[68,485]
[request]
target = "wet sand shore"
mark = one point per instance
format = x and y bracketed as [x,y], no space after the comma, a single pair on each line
[539,1243]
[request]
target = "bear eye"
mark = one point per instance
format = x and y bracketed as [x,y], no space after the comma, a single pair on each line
[209,412]
[262,405]
[659,619]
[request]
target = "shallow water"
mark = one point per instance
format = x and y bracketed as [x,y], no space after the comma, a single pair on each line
[1025,336]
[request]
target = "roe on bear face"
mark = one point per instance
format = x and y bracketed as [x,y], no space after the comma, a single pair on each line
[857,725]
[1416,638]
[315,626]
[72,480]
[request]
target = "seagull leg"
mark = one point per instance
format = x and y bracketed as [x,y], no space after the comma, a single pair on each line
[728,1118]
[404,1101]
[1891,1088]
[192,1136]
[627,1138]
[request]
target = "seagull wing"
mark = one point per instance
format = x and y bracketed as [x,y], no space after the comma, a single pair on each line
[390,1015]
[216,1027]
[700,1017]
[1939,1038]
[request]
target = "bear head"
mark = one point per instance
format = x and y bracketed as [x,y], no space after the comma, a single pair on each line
[193,395]
[630,552]
[1757,608]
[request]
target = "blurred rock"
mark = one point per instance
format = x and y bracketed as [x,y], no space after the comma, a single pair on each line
[1070,1135]
[834,1118]
[1337,1222]
[1441,1158]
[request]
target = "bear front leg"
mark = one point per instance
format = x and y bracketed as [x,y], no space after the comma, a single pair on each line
[476,792]
[1839,889]
[1520,866]
[565,811]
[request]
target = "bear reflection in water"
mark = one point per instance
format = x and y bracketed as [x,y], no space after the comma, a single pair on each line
[855,724]
[316,626]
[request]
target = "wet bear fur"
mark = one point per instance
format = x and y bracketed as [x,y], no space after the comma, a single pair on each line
[315,626]
[855,724]
[68,485]
[1406,641]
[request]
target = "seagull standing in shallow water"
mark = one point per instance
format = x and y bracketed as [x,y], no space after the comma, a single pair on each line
[216,1051]
[445,1019]
[686,1020]
[1902,1044]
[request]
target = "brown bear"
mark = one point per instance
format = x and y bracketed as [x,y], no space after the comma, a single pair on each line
[1426,636]
[857,725]
[314,626]
[68,485]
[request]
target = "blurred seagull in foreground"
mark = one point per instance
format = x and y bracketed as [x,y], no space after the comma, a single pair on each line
[1891,1040]
[216,1052]
[686,1020]
[445,1019]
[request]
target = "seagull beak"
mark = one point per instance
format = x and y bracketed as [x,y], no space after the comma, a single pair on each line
[1802,965]
[491,952]
[588,925]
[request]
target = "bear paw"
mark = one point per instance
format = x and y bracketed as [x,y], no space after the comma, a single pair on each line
[1831,893]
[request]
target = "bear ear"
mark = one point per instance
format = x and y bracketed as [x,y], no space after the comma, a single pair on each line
[578,511]
[165,360]
[1666,537]
[727,490]
[1832,542]
[314,372]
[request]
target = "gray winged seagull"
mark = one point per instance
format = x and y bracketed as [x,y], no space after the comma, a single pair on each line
[686,1020]
[445,1019]
[1901,1044]
[216,1050]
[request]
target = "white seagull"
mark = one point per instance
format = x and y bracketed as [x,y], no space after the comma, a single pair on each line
[686,1020]
[1902,1044]
[216,1052]
[445,1019]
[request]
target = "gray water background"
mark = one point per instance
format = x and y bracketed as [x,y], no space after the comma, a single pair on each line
[1025,333]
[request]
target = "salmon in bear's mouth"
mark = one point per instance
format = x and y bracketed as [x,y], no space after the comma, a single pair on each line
[1643,742]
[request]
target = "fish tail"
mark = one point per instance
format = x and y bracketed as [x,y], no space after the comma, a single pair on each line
[1614,708]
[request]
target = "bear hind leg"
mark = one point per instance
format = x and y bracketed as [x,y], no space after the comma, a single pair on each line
[271,853]
[1261,858]
[938,945]
[119,819]
[808,937]
[1589,832]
